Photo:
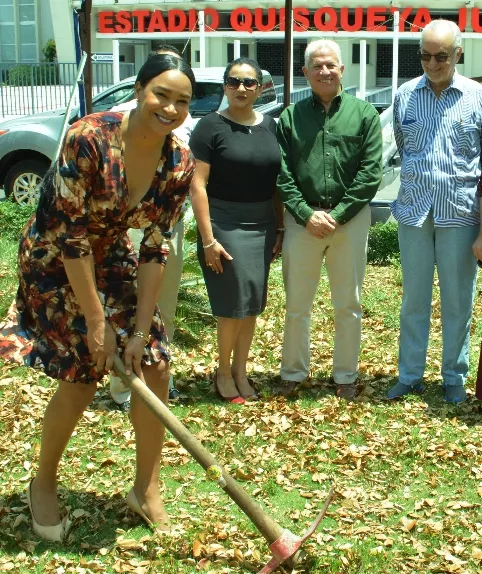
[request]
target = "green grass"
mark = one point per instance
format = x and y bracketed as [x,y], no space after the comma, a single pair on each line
[407,475]
[8,279]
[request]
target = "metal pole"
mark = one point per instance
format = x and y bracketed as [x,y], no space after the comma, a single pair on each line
[202,40]
[291,60]
[63,131]
[363,69]
[396,34]
[287,53]
[86,43]
[2,90]
[78,58]
[237,49]
[32,97]
[115,63]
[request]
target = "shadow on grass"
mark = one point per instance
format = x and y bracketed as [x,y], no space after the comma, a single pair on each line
[97,522]
[470,412]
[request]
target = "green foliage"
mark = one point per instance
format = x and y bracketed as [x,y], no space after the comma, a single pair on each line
[13,218]
[383,246]
[37,74]
[8,273]
[193,312]
[50,51]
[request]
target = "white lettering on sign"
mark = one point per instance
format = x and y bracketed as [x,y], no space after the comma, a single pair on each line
[102,57]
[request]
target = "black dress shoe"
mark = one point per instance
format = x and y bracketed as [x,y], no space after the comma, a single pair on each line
[174,394]
[124,407]
[347,392]
[286,388]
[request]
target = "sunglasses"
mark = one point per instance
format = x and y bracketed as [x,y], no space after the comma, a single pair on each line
[248,83]
[440,58]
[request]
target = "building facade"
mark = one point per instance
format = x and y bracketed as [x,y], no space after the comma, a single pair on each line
[129,29]
[25,27]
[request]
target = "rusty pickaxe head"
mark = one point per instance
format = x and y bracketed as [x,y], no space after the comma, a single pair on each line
[283,544]
[288,544]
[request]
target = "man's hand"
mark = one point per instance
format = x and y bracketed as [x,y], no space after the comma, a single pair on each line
[321,224]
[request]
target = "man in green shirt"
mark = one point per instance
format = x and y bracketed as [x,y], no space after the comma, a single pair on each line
[331,149]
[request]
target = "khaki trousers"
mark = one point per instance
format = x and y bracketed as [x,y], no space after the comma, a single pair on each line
[344,252]
[168,292]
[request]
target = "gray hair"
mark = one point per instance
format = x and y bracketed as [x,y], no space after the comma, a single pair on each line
[322,44]
[441,25]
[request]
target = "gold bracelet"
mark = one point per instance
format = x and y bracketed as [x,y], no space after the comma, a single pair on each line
[147,338]
[213,242]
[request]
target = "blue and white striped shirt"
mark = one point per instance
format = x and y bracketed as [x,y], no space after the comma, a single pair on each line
[439,140]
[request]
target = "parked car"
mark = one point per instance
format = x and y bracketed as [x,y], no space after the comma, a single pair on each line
[28,144]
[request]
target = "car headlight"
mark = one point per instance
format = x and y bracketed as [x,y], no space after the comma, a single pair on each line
[3,132]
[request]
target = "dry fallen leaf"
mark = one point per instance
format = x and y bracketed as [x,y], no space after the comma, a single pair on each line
[408,523]
[197,548]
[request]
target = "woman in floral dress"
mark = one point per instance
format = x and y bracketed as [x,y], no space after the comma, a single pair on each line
[83,296]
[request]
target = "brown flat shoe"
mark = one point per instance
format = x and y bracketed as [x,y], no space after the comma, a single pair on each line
[347,392]
[286,388]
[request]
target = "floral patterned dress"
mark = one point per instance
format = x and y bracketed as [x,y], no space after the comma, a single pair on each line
[45,327]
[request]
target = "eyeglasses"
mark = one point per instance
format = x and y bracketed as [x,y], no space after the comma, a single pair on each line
[440,58]
[248,83]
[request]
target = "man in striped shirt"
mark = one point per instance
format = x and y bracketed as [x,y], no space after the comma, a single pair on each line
[438,129]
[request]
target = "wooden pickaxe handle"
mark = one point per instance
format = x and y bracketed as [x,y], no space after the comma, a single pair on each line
[270,529]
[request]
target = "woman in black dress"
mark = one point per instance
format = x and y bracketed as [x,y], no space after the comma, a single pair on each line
[239,218]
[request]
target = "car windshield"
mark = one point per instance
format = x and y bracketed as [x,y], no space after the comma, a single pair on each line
[114,98]
[206,99]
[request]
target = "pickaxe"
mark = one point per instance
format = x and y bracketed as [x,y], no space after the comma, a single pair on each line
[284,545]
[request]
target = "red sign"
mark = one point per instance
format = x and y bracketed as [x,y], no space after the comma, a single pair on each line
[325,19]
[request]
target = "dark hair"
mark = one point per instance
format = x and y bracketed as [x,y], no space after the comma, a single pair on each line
[161,63]
[165,48]
[245,62]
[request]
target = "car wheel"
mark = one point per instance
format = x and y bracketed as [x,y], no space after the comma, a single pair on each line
[23,179]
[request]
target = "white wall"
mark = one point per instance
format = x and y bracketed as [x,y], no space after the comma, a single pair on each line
[351,75]
[63,29]
[217,49]
[45,27]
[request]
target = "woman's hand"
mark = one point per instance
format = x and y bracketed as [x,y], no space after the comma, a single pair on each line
[133,354]
[213,257]
[477,248]
[102,344]
[278,245]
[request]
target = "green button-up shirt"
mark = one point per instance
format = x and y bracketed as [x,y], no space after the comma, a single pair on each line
[329,159]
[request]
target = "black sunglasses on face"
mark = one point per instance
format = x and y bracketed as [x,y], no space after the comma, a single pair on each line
[248,83]
[440,58]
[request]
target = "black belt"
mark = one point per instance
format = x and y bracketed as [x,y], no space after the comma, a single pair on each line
[320,205]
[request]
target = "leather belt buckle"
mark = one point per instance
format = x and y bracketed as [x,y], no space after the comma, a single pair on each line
[320,205]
